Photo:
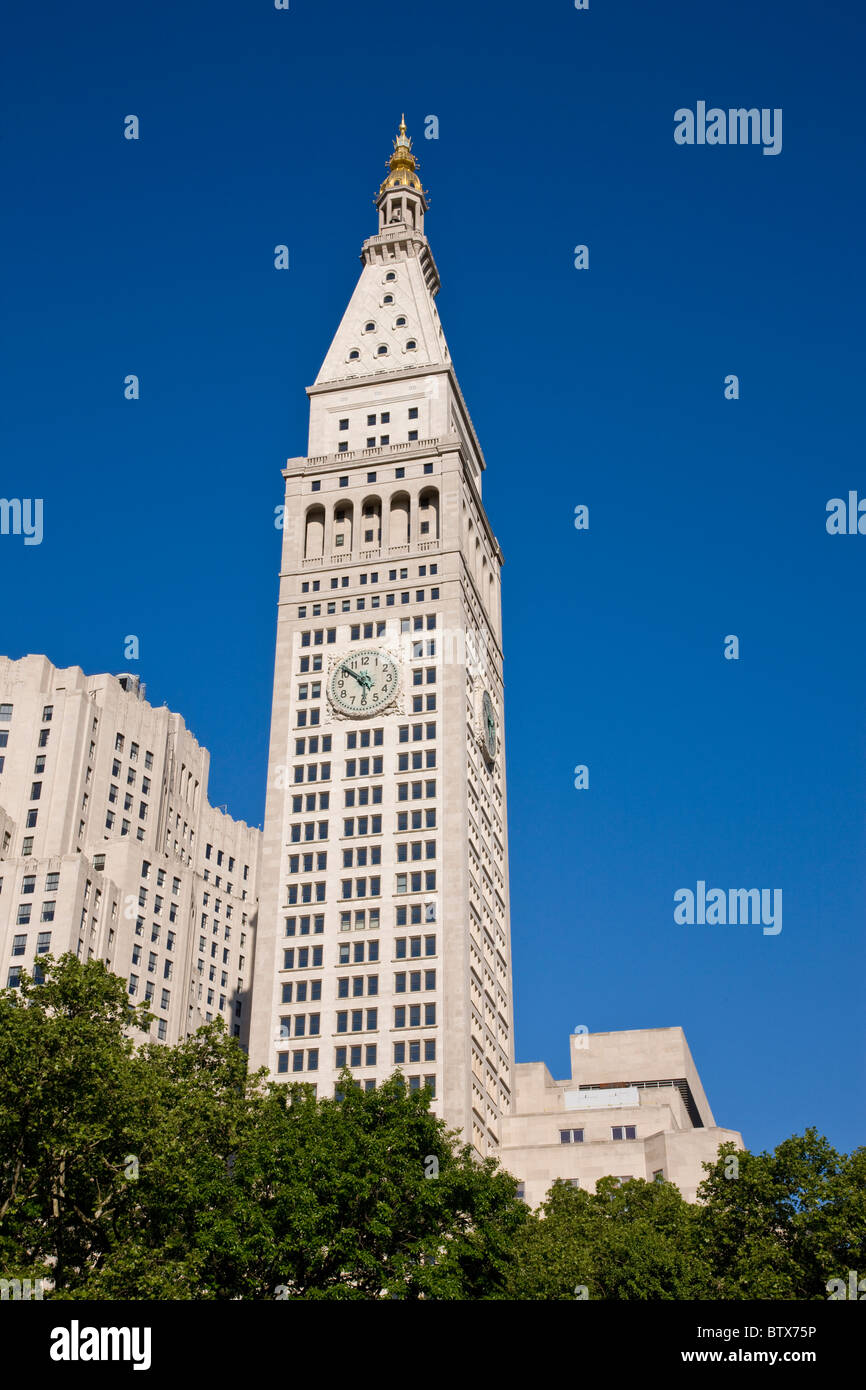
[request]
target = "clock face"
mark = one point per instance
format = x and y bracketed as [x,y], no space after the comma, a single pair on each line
[489,719]
[363,682]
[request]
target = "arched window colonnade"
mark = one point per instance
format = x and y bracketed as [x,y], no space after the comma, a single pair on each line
[392,525]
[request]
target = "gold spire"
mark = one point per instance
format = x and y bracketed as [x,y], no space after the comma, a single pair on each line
[402,164]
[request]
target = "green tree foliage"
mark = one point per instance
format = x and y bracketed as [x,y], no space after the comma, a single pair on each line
[628,1241]
[174,1173]
[768,1226]
[788,1222]
[69,1115]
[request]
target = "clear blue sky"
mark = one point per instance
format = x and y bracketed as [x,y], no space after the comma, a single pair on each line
[602,387]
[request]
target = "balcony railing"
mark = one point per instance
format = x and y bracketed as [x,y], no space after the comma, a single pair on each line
[350,454]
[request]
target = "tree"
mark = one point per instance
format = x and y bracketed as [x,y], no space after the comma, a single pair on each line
[767,1226]
[624,1241]
[158,1172]
[69,1116]
[174,1173]
[785,1222]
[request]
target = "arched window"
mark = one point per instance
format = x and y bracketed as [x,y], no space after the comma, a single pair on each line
[354,355]
[400,322]
[370,327]
[342,531]
[399,520]
[391,275]
[411,344]
[314,536]
[371,522]
[428,515]
[389,299]
[381,350]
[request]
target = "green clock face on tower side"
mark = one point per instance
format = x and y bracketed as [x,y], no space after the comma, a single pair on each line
[363,682]
[489,718]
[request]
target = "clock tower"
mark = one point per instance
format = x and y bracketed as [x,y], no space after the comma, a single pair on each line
[383,941]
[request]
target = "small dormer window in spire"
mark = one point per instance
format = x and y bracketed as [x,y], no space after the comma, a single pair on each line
[370,327]
[400,322]
[391,275]
[381,350]
[411,344]
[354,355]
[389,299]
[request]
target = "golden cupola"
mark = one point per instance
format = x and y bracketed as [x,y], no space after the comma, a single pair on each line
[401,199]
[402,165]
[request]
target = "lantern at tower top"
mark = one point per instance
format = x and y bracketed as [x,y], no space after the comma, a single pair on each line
[401,197]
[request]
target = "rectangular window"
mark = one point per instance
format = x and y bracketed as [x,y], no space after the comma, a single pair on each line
[571,1136]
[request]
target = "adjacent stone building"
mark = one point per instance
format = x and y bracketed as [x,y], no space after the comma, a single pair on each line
[108,847]
[634,1107]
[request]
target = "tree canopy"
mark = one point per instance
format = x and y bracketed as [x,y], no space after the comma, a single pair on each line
[175,1173]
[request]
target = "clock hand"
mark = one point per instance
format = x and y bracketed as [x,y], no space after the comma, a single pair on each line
[350,672]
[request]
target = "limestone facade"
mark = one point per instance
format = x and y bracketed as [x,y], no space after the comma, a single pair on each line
[634,1107]
[108,847]
[385,863]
